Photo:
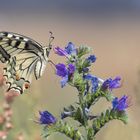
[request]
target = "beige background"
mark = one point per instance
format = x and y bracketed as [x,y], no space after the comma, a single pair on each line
[114,35]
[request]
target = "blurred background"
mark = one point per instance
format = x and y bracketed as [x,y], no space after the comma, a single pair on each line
[111,28]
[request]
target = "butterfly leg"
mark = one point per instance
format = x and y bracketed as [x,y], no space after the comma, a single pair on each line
[52,64]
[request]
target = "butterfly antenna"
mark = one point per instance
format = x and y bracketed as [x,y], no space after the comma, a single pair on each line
[51,39]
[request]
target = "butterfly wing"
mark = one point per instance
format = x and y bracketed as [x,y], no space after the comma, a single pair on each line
[24,57]
[12,44]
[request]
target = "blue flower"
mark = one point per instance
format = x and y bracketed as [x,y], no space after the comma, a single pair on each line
[70,48]
[61,70]
[94,81]
[71,68]
[64,72]
[66,114]
[64,81]
[111,83]
[91,58]
[88,77]
[85,70]
[60,51]
[121,104]
[46,118]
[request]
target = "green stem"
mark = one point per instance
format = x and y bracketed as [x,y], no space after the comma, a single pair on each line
[91,99]
[82,105]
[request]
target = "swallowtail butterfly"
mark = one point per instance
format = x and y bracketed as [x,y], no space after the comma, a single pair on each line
[24,58]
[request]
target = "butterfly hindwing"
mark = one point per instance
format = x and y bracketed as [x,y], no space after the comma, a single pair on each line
[19,72]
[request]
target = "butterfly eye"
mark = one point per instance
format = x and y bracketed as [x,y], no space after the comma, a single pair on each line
[26,85]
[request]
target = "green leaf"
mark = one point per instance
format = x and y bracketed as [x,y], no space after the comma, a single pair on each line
[86,63]
[79,115]
[90,133]
[92,98]
[63,128]
[109,115]
[82,50]
[69,108]
[78,82]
